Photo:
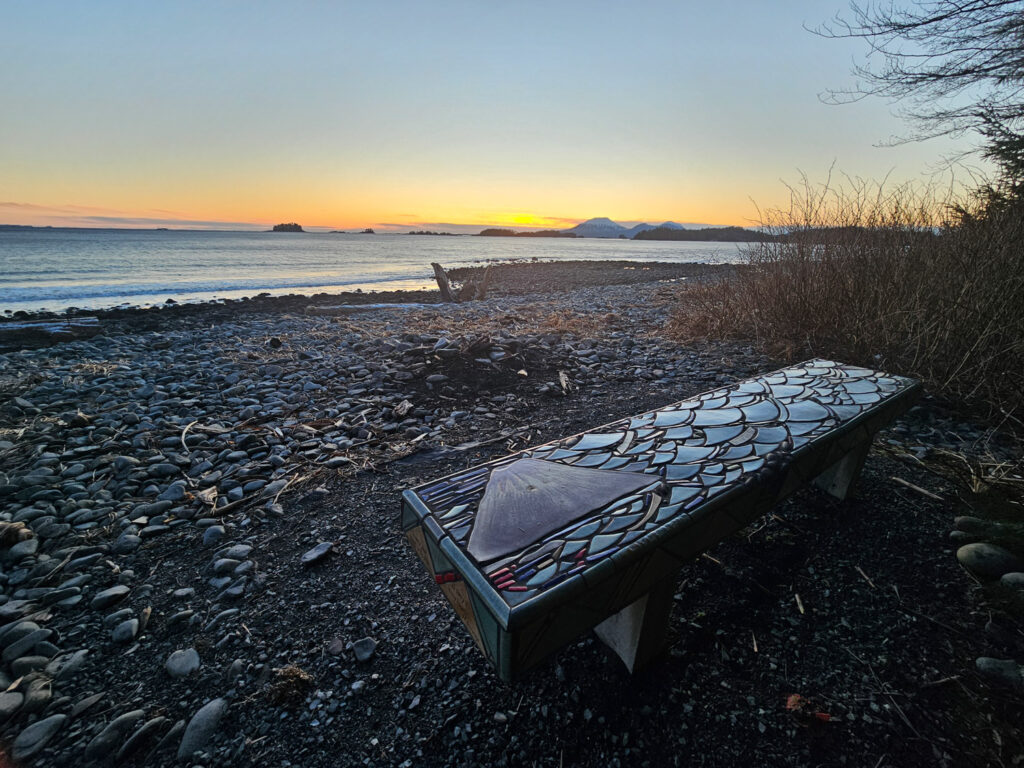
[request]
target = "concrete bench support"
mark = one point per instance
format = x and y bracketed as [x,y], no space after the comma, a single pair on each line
[639,632]
[838,480]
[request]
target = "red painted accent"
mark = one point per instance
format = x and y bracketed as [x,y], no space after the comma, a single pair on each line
[517,589]
[444,578]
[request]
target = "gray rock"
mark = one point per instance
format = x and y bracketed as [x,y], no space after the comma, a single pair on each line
[112,620]
[182,663]
[36,736]
[213,535]
[141,738]
[85,704]
[235,670]
[175,492]
[66,666]
[10,702]
[126,544]
[364,648]
[1013,580]
[126,631]
[972,525]
[962,537]
[23,646]
[317,553]
[27,664]
[109,597]
[14,633]
[237,588]
[224,565]
[1005,673]
[237,552]
[38,692]
[168,739]
[201,728]
[988,560]
[109,739]
[23,549]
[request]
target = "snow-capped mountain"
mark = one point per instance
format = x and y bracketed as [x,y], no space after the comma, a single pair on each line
[599,227]
[605,227]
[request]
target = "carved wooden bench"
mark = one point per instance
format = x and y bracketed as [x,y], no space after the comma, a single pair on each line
[535,548]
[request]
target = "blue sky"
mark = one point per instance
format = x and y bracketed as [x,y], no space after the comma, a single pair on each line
[412,113]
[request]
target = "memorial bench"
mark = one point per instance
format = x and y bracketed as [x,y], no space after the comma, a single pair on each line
[590,531]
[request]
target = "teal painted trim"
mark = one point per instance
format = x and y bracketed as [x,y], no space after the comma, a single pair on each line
[409,518]
[415,504]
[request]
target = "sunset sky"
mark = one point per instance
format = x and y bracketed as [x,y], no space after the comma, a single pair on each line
[426,114]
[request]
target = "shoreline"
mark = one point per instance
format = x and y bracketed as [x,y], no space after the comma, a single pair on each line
[507,279]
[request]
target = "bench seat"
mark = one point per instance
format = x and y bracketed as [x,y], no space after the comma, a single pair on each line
[590,531]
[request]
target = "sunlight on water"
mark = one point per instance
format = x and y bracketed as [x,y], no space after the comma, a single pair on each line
[54,269]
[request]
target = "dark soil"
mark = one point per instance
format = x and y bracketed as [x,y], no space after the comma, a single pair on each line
[880,641]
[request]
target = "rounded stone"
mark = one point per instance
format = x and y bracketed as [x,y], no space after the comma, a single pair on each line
[36,736]
[1005,673]
[973,525]
[988,560]
[1013,580]
[182,663]
[23,549]
[364,648]
[25,645]
[10,702]
[126,631]
[213,535]
[109,597]
[110,738]
[317,553]
[201,727]
[141,738]
[126,544]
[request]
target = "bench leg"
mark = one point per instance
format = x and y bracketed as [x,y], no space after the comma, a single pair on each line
[639,632]
[838,479]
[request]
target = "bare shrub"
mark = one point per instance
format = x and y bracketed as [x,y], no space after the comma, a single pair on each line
[894,278]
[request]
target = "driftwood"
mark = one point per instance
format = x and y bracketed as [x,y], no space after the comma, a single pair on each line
[38,333]
[442,284]
[470,291]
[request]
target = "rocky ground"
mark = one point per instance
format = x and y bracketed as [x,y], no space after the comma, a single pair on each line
[201,558]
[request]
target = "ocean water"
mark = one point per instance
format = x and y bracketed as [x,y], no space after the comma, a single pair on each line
[96,268]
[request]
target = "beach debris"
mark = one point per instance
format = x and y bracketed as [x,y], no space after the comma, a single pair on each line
[443,284]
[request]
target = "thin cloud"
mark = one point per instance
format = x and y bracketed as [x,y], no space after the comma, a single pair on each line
[89,216]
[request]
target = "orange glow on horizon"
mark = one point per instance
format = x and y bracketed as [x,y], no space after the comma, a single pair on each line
[317,216]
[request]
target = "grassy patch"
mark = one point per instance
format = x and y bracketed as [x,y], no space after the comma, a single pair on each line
[895,279]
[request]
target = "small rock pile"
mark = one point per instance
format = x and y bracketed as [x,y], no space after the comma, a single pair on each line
[994,563]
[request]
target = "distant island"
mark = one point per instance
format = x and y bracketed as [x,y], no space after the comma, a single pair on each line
[429,232]
[709,234]
[289,227]
[669,230]
[511,233]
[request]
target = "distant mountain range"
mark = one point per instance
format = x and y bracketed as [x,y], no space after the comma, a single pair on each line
[605,227]
[668,230]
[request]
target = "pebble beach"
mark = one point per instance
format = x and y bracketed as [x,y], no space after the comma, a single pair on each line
[202,562]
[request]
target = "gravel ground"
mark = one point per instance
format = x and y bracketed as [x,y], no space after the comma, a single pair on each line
[201,558]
